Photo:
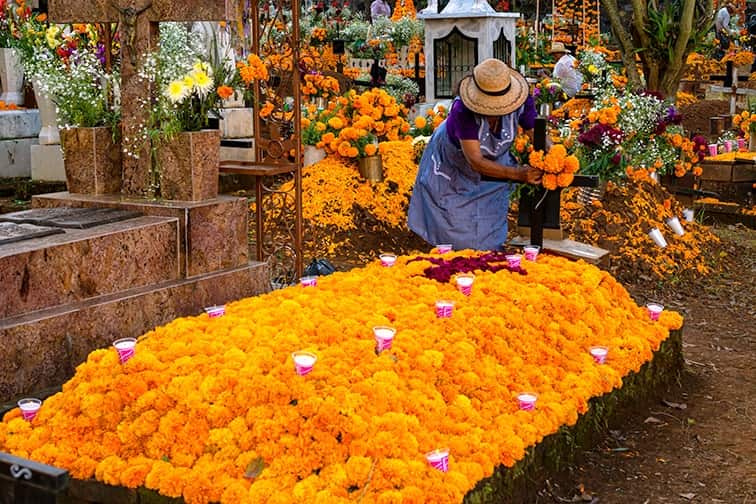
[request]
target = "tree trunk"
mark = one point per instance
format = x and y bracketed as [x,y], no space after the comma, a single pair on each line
[627,47]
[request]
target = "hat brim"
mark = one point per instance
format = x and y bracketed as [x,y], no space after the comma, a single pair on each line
[557,51]
[485,104]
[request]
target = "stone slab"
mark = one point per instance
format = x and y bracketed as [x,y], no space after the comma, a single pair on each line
[212,233]
[19,124]
[47,163]
[74,218]
[720,171]
[566,248]
[237,154]
[42,349]
[12,232]
[237,123]
[85,263]
[15,157]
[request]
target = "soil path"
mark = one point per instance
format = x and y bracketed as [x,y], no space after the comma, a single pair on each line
[699,443]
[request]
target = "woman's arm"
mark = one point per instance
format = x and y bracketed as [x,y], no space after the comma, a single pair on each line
[490,168]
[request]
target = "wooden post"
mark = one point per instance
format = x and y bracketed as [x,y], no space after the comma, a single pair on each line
[537,206]
[27,482]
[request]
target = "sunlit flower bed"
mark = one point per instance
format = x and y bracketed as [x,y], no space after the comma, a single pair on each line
[204,400]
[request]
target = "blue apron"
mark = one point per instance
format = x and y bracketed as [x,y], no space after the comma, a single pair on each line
[451,203]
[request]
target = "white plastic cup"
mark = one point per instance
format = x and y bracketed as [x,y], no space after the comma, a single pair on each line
[514,260]
[439,459]
[444,309]
[599,354]
[387,260]
[443,248]
[531,252]
[527,401]
[465,282]
[658,237]
[712,149]
[126,348]
[215,311]
[674,223]
[654,176]
[654,310]
[29,407]
[308,281]
[304,362]
[384,337]
[689,215]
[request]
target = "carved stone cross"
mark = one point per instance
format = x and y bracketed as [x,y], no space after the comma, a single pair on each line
[138,27]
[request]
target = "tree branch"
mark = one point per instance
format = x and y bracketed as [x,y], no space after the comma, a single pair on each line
[627,47]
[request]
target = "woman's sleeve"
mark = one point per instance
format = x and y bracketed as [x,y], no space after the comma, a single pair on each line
[460,124]
[529,113]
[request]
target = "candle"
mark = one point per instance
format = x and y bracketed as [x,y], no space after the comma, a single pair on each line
[444,248]
[304,362]
[126,348]
[527,401]
[654,310]
[387,259]
[309,281]
[514,260]
[384,337]
[444,309]
[215,311]
[464,283]
[531,252]
[599,354]
[439,459]
[29,407]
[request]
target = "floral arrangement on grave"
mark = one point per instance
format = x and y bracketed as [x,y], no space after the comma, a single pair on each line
[597,73]
[424,125]
[531,51]
[12,16]
[548,92]
[557,165]
[316,123]
[248,72]
[317,85]
[746,121]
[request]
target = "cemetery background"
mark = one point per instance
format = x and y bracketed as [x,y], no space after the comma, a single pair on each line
[728,314]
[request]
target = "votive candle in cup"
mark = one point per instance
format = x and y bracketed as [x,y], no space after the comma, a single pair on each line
[654,310]
[599,354]
[384,337]
[439,459]
[741,144]
[527,401]
[304,362]
[728,145]
[387,259]
[514,260]
[712,149]
[465,282]
[126,348]
[531,252]
[444,308]
[443,248]
[215,311]
[29,407]
[308,281]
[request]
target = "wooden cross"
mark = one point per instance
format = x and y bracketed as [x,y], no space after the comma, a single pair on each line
[138,27]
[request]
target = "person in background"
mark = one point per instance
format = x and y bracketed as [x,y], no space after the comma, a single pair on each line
[461,192]
[722,29]
[565,69]
[379,8]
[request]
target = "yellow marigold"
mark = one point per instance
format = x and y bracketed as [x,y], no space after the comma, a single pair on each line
[371,149]
[420,122]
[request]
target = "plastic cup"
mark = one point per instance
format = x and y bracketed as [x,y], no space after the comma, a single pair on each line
[384,337]
[674,223]
[304,362]
[308,281]
[741,144]
[527,401]
[728,145]
[689,215]
[215,311]
[126,348]
[654,310]
[599,354]
[29,407]
[658,237]
[439,459]
[444,309]
[444,248]
[654,176]
[514,260]
[712,149]
[531,252]
[387,259]
[465,282]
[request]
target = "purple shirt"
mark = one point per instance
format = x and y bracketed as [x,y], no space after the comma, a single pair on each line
[461,125]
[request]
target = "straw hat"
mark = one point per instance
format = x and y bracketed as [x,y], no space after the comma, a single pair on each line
[493,89]
[558,47]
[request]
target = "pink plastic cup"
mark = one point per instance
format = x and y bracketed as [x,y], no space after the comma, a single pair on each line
[308,281]
[531,252]
[439,459]
[384,337]
[741,144]
[712,149]
[126,348]
[215,311]
[444,309]
[599,354]
[728,145]
[387,259]
[444,248]
[514,260]
[304,362]
[654,310]
[527,401]
[465,282]
[29,407]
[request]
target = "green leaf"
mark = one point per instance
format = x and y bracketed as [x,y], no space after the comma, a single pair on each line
[254,468]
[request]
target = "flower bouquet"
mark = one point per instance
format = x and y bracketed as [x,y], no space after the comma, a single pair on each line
[558,167]
[549,92]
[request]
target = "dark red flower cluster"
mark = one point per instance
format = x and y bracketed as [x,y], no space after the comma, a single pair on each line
[593,137]
[443,269]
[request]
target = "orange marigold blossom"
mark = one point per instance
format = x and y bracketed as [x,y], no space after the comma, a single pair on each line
[203,398]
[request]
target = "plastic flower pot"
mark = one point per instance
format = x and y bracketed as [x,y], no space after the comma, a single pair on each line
[126,348]
[384,337]
[304,362]
[29,407]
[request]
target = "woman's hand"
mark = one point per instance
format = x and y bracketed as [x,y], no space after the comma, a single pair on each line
[531,175]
